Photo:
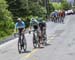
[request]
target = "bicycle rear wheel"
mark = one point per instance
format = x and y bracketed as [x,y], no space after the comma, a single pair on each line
[35,41]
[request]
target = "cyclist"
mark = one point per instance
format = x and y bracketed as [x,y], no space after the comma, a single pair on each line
[40,20]
[44,33]
[42,26]
[20,25]
[55,16]
[61,15]
[34,24]
[42,23]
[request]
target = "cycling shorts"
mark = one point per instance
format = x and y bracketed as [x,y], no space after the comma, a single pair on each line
[35,27]
[20,30]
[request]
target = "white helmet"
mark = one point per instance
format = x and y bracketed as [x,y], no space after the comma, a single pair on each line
[19,19]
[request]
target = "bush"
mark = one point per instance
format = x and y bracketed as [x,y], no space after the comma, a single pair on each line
[6,22]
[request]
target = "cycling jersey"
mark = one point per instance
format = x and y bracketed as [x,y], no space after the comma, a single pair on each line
[20,25]
[33,22]
[55,14]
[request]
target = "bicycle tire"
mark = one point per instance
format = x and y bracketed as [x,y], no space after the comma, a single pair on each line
[19,46]
[35,42]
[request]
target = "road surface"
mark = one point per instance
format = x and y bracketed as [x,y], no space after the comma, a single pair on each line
[61,44]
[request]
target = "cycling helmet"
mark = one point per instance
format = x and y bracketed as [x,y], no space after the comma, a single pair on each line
[40,20]
[19,19]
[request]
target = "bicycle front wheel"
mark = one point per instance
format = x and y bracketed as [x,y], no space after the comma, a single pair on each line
[19,46]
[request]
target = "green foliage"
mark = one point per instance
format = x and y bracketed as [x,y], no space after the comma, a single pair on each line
[22,8]
[17,7]
[51,8]
[57,6]
[6,23]
[65,5]
[37,10]
[10,9]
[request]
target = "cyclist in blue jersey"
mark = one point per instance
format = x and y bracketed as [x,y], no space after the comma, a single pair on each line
[55,16]
[20,26]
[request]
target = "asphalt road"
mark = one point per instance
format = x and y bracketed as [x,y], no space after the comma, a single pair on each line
[61,40]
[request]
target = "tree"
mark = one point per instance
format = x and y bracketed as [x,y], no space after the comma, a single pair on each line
[36,9]
[65,5]
[6,22]
[18,7]
[51,8]
[57,6]
[22,8]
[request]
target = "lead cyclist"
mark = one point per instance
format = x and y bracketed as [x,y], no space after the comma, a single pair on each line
[19,26]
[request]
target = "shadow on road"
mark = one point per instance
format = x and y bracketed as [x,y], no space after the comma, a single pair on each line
[47,44]
[26,52]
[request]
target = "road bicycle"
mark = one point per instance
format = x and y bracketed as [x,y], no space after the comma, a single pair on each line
[22,44]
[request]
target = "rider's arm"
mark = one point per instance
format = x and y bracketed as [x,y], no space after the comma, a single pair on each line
[24,26]
[15,29]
